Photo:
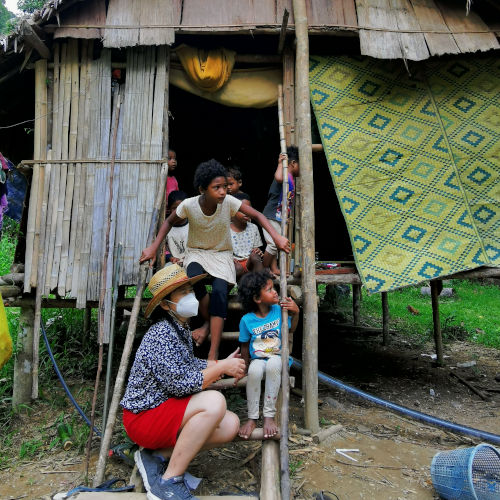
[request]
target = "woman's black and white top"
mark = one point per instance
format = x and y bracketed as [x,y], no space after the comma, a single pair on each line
[164,367]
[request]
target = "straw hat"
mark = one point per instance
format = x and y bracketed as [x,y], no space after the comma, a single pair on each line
[165,281]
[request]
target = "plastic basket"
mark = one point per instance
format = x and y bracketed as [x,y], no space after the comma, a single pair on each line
[467,473]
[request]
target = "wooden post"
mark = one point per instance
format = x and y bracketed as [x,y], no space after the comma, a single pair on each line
[285,381]
[24,358]
[270,472]
[385,319]
[87,315]
[356,304]
[436,287]
[303,111]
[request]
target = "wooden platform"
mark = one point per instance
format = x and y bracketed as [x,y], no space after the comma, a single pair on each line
[137,496]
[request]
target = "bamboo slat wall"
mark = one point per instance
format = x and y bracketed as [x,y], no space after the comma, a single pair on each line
[76,196]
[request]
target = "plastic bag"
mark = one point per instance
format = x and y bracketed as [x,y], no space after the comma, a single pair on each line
[5,340]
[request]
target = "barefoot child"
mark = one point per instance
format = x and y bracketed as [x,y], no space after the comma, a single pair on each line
[209,248]
[246,241]
[272,210]
[260,337]
[178,235]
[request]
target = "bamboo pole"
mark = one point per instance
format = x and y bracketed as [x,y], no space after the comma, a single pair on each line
[303,110]
[104,272]
[129,339]
[40,188]
[356,304]
[270,478]
[127,348]
[40,281]
[385,318]
[23,380]
[285,380]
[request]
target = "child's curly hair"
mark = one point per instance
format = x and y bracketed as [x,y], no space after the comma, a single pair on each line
[234,172]
[206,172]
[250,286]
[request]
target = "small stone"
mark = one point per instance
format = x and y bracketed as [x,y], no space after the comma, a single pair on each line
[332,403]
[417,402]
[432,392]
[467,364]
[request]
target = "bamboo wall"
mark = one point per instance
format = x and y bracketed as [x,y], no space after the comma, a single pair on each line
[67,221]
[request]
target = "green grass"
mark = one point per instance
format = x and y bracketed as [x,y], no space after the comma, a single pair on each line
[471,314]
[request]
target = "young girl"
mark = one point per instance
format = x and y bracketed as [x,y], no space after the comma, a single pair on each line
[209,248]
[177,237]
[166,409]
[260,337]
[172,184]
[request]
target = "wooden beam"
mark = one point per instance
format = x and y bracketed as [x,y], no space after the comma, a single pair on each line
[284,24]
[436,287]
[303,114]
[33,40]
[270,472]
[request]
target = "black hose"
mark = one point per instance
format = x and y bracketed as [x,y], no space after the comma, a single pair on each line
[61,379]
[423,417]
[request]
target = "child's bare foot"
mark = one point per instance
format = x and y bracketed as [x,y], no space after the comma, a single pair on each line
[270,427]
[200,334]
[247,429]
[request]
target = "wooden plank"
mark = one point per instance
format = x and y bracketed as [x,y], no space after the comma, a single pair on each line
[92,12]
[157,12]
[430,19]
[413,45]
[338,13]
[455,17]
[122,13]
[379,44]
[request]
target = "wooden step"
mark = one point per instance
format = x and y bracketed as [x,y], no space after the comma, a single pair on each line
[227,383]
[136,496]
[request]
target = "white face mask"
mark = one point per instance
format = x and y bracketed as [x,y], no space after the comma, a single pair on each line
[187,307]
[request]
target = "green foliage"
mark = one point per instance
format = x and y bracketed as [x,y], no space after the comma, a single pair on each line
[29,6]
[30,448]
[294,466]
[470,314]
[6,18]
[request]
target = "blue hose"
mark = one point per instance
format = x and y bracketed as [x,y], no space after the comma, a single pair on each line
[423,417]
[63,383]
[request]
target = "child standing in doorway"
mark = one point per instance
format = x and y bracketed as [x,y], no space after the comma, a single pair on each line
[246,241]
[178,235]
[273,208]
[234,183]
[209,249]
[260,338]
[172,184]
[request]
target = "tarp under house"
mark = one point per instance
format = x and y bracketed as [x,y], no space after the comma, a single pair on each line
[415,161]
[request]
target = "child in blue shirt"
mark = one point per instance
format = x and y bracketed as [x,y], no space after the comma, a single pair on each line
[260,338]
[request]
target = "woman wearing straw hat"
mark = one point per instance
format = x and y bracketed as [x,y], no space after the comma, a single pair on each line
[165,408]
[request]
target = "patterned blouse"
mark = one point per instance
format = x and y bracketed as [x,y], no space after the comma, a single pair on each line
[164,367]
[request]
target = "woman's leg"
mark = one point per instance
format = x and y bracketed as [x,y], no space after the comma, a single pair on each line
[255,373]
[206,423]
[218,311]
[272,388]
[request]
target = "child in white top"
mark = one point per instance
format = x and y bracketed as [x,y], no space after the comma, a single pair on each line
[246,242]
[178,235]
[209,249]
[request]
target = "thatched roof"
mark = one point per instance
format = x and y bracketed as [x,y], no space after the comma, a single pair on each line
[387,29]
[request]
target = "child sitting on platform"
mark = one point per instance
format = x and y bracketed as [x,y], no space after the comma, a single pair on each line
[260,338]
[178,235]
[246,241]
[209,249]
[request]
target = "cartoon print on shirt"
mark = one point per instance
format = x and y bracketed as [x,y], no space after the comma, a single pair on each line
[267,343]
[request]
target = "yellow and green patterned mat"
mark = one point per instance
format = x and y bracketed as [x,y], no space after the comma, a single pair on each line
[415,162]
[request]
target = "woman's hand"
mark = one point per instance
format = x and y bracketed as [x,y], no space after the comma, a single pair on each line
[234,365]
[149,253]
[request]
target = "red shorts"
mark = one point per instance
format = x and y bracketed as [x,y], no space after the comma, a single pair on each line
[244,264]
[156,428]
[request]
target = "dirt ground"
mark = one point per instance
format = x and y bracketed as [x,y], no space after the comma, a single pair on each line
[395,451]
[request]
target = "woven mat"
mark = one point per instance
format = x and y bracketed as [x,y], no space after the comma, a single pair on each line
[415,162]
